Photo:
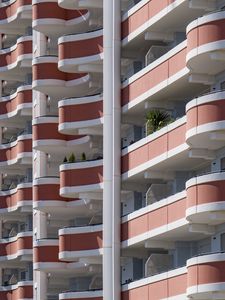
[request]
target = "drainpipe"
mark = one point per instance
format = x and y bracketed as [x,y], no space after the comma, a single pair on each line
[111,150]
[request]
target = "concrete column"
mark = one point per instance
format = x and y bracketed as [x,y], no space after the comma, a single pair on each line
[43,164]
[41,223]
[40,286]
[1,38]
[1,180]
[39,44]
[0,88]
[39,169]
[1,43]
[1,277]
[1,223]
[40,278]
[1,273]
[39,49]
[111,150]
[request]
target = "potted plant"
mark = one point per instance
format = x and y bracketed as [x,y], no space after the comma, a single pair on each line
[83,157]
[72,158]
[156,119]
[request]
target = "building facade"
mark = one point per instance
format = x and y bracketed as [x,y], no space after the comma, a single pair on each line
[112,158]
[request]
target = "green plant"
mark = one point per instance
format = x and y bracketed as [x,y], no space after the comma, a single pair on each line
[83,157]
[65,160]
[72,158]
[156,119]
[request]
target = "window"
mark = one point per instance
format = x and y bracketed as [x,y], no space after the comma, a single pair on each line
[222,164]
[222,85]
[222,241]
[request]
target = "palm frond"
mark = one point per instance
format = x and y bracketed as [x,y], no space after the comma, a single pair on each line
[156,119]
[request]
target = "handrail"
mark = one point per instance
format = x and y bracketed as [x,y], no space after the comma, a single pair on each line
[89,31]
[46,116]
[208,253]
[91,95]
[80,161]
[77,290]
[47,176]
[9,188]
[85,225]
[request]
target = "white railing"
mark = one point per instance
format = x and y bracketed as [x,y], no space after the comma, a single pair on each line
[132,69]
[96,283]
[129,4]
[12,280]
[157,192]
[158,263]
[154,53]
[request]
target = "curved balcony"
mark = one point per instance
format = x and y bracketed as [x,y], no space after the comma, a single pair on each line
[81,52]
[80,242]
[19,291]
[155,219]
[51,19]
[81,177]
[206,277]
[15,58]
[45,253]
[16,247]
[16,105]
[206,199]
[49,80]
[17,152]
[17,198]
[81,4]
[81,113]
[15,15]
[206,43]
[206,121]
[47,199]
[92,295]
[153,79]
[46,137]
[46,194]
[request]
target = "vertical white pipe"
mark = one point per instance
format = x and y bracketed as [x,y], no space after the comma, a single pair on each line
[1,277]
[1,225]
[1,269]
[1,91]
[1,136]
[111,151]
[40,287]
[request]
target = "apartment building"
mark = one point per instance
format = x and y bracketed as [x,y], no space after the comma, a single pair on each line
[112,159]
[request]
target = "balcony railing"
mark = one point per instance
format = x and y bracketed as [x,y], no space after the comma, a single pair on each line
[155,52]
[158,263]
[86,159]
[92,284]
[53,297]
[157,192]
[13,138]
[14,183]
[130,4]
